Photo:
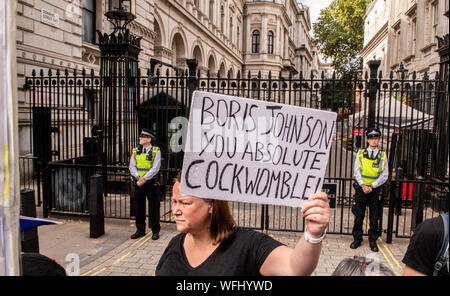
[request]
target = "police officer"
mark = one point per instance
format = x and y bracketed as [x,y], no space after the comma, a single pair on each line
[144,166]
[370,172]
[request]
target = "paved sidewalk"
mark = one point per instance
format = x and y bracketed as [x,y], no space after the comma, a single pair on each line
[114,254]
[335,248]
[62,242]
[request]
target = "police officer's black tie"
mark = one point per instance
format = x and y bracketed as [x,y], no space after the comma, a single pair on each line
[371,155]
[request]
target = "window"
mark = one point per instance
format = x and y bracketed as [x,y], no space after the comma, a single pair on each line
[88,20]
[238,42]
[231,28]
[435,19]
[414,37]
[270,42]
[211,11]
[255,41]
[222,18]
[397,49]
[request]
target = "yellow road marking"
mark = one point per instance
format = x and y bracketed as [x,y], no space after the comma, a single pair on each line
[387,250]
[142,241]
[121,258]
[88,272]
[136,242]
[387,259]
[103,269]
[390,253]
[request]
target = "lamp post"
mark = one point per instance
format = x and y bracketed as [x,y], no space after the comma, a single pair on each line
[120,13]
[123,44]
[403,71]
[119,91]
[442,109]
[373,89]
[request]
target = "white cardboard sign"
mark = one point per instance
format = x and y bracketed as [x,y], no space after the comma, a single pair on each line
[247,150]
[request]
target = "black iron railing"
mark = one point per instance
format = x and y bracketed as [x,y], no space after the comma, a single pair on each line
[81,117]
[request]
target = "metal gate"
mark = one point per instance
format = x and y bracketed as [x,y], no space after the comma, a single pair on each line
[86,123]
[69,145]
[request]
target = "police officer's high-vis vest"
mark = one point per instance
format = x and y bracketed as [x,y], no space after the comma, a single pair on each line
[144,161]
[371,169]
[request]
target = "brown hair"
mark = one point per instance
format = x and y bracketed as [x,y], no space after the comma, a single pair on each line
[222,222]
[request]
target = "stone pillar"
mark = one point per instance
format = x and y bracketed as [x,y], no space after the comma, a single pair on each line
[264,34]
[278,39]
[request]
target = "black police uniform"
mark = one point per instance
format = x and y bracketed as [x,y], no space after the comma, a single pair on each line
[372,200]
[149,191]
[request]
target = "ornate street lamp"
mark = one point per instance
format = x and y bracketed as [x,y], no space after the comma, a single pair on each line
[119,72]
[120,45]
[120,13]
[402,71]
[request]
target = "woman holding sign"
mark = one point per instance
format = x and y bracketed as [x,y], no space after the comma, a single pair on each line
[211,244]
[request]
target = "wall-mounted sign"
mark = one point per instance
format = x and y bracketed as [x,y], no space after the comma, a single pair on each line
[50,18]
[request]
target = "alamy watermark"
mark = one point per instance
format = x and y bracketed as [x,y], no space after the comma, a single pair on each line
[73,264]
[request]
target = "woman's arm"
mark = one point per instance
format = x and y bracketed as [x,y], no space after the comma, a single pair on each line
[408,271]
[303,259]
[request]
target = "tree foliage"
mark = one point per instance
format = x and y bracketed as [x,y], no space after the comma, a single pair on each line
[337,95]
[339,33]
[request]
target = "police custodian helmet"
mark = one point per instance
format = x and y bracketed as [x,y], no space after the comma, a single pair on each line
[147,133]
[373,132]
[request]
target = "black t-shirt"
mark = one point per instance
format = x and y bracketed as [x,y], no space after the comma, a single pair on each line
[424,247]
[242,254]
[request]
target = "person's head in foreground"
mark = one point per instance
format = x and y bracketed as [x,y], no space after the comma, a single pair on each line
[35,264]
[361,266]
[210,243]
